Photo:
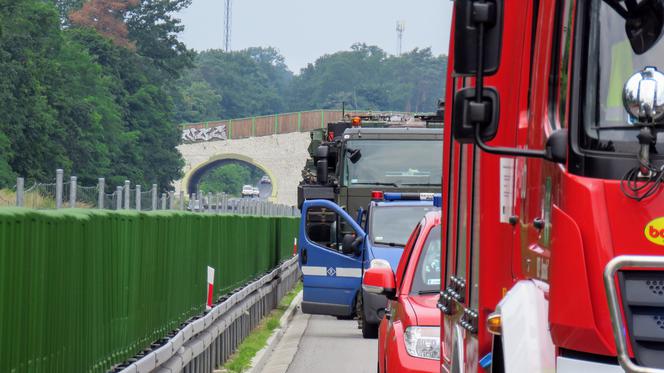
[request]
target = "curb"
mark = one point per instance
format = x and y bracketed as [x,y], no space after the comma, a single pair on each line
[262,356]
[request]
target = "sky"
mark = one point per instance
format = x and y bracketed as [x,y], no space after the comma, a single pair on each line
[303,30]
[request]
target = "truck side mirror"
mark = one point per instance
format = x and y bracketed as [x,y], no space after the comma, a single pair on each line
[478,26]
[477,43]
[320,157]
[321,171]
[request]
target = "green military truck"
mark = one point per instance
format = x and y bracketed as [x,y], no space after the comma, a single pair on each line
[352,158]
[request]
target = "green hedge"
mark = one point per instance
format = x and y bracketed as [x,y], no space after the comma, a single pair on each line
[82,290]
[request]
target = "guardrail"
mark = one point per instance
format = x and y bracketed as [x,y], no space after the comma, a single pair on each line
[207,342]
[84,290]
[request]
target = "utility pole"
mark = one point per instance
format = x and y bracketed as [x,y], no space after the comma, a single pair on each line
[401,27]
[227,26]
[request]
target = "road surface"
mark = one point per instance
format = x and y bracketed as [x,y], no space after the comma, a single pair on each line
[323,344]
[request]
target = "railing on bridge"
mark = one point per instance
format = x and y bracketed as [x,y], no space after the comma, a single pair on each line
[60,194]
[266,125]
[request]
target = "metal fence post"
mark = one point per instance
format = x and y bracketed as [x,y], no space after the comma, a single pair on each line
[209,201]
[138,198]
[72,192]
[59,175]
[163,201]
[101,184]
[20,190]
[154,197]
[192,202]
[127,194]
[181,200]
[171,195]
[118,198]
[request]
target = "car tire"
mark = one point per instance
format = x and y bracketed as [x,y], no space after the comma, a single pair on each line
[369,331]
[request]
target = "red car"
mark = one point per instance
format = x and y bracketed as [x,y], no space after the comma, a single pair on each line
[409,333]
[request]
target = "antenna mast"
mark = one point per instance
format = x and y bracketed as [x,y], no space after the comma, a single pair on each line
[401,27]
[227,26]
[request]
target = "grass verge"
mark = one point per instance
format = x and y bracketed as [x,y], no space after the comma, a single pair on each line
[257,339]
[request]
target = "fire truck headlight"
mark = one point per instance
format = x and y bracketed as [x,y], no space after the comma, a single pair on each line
[423,342]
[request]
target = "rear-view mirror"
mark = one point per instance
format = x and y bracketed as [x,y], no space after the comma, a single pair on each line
[379,280]
[469,15]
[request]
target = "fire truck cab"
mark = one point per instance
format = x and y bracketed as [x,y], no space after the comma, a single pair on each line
[553,211]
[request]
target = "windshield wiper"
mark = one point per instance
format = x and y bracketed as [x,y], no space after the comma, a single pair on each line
[391,244]
[424,292]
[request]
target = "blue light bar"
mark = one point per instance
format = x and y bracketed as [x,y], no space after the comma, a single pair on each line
[438,200]
[410,196]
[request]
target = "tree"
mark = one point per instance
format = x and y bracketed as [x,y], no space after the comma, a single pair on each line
[107,18]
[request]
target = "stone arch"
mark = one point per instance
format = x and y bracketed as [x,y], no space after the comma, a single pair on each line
[193,176]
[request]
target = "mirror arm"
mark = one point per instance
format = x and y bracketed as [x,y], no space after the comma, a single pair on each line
[507,151]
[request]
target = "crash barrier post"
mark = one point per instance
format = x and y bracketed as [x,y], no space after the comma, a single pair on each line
[90,289]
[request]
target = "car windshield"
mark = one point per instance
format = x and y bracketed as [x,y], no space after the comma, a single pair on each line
[427,274]
[606,122]
[392,225]
[394,162]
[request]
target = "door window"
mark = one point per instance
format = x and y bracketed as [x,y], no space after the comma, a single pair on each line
[322,227]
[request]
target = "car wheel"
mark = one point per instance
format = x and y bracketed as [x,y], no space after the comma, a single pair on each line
[369,330]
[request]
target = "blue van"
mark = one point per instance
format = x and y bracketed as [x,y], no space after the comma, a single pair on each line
[334,250]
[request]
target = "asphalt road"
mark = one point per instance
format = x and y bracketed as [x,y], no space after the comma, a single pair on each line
[329,345]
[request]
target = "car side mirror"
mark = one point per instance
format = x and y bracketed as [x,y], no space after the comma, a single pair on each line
[380,280]
[350,244]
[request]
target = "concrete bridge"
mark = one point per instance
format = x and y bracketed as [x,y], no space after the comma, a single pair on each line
[281,157]
[276,144]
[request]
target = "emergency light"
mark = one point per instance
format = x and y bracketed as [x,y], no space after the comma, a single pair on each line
[356,122]
[410,196]
[376,195]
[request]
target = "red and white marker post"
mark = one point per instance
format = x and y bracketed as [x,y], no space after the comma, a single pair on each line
[295,246]
[210,287]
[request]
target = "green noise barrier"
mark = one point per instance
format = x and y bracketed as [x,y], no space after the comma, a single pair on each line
[83,290]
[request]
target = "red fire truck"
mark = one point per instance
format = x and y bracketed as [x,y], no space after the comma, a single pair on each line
[553,210]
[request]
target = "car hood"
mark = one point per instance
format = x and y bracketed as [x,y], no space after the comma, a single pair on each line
[425,309]
[391,254]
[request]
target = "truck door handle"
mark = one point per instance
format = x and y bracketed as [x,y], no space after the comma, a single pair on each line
[303,256]
[538,223]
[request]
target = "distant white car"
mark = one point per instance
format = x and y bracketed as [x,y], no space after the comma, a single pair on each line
[257,193]
[265,180]
[247,191]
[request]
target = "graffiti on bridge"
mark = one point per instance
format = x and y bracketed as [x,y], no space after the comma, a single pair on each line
[190,135]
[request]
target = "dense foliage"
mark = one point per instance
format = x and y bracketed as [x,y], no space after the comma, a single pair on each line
[230,178]
[87,90]
[96,87]
[256,81]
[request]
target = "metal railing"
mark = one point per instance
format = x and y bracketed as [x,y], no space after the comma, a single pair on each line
[207,342]
[69,194]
